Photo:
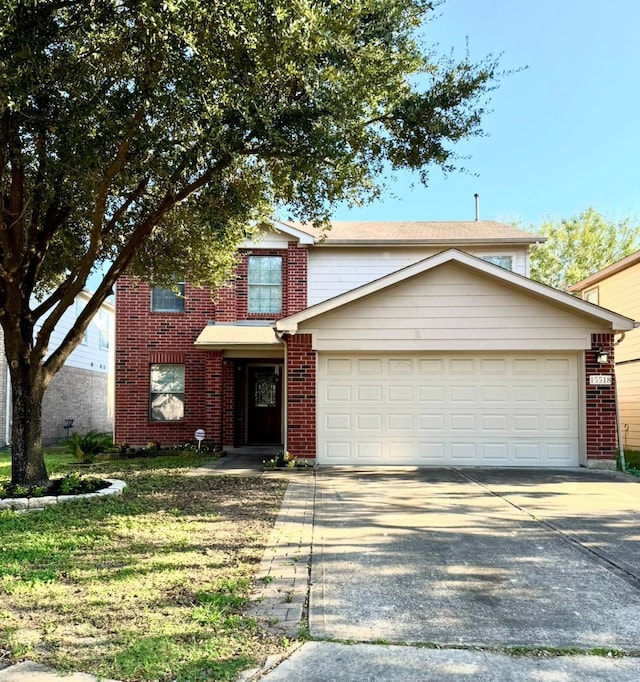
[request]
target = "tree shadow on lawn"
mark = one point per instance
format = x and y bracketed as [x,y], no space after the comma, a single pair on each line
[89,569]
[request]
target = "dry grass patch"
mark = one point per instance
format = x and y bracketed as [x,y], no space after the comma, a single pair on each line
[148,586]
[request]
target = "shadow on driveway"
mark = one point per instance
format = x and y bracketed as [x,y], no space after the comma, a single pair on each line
[477,557]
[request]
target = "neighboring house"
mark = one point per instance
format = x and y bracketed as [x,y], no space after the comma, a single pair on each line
[381,343]
[83,390]
[617,287]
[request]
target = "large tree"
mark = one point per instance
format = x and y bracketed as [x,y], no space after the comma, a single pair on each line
[579,246]
[147,135]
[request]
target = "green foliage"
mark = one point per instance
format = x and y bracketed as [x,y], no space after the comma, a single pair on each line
[86,446]
[152,137]
[580,246]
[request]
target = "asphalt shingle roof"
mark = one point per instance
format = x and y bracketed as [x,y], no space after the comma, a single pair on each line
[440,232]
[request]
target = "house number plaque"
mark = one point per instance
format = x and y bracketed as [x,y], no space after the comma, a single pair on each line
[600,380]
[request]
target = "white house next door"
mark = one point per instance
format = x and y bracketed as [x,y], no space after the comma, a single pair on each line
[426,409]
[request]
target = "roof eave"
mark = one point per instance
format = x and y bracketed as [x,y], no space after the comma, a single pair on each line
[428,242]
[618,322]
[612,269]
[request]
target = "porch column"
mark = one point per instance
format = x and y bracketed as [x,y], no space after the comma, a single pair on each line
[213,398]
[301,396]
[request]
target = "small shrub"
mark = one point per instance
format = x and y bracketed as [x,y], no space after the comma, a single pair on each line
[86,446]
[285,459]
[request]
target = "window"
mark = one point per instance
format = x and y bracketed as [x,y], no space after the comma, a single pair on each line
[167,300]
[505,262]
[103,329]
[167,393]
[592,296]
[265,284]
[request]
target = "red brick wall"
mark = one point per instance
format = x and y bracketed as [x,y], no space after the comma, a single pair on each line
[301,396]
[144,338]
[232,301]
[600,403]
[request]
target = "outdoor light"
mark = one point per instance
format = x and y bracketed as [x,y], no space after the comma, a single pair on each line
[602,358]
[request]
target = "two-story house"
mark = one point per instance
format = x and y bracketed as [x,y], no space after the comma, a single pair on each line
[82,392]
[414,343]
[617,287]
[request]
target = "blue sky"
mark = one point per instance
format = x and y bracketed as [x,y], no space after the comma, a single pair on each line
[563,135]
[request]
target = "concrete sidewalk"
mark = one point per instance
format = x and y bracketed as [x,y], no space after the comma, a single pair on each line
[329,661]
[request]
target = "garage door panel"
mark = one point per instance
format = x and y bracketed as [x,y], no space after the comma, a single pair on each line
[462,423]
[464,452]
[336,393]
[462,394]
[514,410]
[401,422]
[494,423]
[369,422]
[400,394]
[495,453]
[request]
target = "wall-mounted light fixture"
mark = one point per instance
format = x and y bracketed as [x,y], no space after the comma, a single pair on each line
[602,357]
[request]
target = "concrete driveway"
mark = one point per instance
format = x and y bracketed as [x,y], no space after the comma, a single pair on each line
[477,557]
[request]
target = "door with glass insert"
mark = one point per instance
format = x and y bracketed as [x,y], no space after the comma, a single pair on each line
[264,391]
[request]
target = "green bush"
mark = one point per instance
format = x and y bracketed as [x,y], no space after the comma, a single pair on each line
[86,446]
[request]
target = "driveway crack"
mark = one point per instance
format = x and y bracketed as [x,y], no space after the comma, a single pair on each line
[595,554]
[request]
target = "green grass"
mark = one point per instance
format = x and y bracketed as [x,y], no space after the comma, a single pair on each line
[151,585]
[632,460]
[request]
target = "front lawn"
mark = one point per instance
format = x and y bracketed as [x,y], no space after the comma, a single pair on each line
[147,586]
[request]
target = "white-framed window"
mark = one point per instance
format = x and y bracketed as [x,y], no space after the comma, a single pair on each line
[103,330]
[265,285]
[505,262]
[166,401]
[592,295]
[167,300]
[80,306]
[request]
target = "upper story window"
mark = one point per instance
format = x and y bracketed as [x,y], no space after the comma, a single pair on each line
[505,262]
[103,328]
[265,285]
[592,296]
[167,300]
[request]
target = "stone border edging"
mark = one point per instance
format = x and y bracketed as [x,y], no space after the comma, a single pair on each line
[29,503]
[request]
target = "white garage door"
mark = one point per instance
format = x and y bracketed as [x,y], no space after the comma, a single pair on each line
[457,409]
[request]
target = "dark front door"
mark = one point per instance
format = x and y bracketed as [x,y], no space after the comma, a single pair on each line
[265,405]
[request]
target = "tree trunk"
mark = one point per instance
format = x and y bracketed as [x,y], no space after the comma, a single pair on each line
[27,456]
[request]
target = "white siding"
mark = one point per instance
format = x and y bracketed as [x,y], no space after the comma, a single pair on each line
[88,355]
[333,271]
[450,307]
[267,239]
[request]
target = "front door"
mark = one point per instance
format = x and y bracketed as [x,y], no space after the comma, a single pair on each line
[264,405]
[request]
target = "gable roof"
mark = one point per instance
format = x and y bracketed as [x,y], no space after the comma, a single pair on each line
[370,233]
[553,296]
[606,272]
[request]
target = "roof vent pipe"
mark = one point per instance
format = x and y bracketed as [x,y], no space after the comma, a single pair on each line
[476,196]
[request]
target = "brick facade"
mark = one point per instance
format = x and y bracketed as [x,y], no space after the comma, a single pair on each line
[78,394]
[214,385]
[301,396]
[601,405]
